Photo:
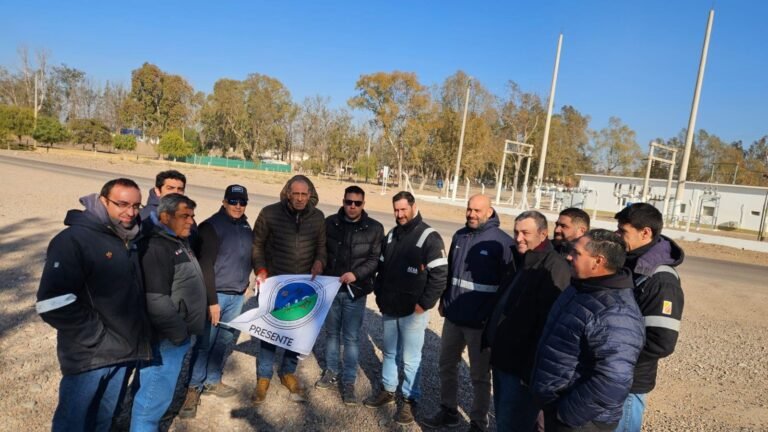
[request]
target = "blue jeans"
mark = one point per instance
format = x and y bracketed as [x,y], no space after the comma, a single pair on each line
[88,400]
[208,354]
[157,382]
[266,359]
[403,340]
[632,415]
[515,408]
[344,321]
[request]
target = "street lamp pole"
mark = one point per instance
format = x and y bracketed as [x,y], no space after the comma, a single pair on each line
[543,158]
[461,142]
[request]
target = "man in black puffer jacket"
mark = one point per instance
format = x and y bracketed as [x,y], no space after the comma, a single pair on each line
[517,321]
[412,275]
[288,238]
[591,341]
[91,293]
[353,242]
[652,259]
[176,302]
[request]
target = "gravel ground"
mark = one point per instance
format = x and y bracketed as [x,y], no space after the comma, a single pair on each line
[716,381]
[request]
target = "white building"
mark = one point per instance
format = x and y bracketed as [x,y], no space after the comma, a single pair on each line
[708,204]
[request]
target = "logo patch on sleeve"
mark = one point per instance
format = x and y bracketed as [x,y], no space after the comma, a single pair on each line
[666,309]
[108,254]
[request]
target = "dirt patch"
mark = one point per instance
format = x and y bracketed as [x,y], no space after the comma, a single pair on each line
[716,379]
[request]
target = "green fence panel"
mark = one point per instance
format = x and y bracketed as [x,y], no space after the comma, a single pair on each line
[237,163]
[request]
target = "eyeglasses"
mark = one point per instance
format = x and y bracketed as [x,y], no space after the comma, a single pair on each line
[355,202]
[122,205]
[234,202]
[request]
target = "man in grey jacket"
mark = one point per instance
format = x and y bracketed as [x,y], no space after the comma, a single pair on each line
[176,303]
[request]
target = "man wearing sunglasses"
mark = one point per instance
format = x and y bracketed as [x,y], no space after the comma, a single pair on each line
[224,252]
[353,242]
[91,293]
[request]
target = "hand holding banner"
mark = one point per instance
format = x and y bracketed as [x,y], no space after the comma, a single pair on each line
[291,312]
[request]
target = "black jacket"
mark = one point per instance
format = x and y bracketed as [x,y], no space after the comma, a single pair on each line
[286,241]
[518,318]
[412,269]
[355,247]
[477,263]
[660,297]
[176,298]
[91,293]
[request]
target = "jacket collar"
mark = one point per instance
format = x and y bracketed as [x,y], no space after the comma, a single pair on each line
[622,279]
[408,227]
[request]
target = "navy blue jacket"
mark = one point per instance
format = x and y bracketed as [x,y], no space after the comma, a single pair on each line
[224,252]
[587,353]
[477,262]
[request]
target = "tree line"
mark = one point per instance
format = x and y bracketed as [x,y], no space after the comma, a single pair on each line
[412,127]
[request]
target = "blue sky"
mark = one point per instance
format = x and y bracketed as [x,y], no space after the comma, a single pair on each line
[634,60]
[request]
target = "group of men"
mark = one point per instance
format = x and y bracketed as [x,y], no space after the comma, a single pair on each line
[566,333]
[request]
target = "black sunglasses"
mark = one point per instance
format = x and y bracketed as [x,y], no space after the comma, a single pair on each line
[350,202]
[242,202]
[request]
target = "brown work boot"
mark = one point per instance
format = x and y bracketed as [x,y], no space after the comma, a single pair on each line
[292,384]
[380,399]
[260,394]
[189,409]
[219,389]
[404,415]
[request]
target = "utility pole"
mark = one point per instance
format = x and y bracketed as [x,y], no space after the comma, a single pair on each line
[543,156]
[692,120]
[461,142]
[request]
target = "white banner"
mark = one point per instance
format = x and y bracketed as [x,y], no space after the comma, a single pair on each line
[291,312]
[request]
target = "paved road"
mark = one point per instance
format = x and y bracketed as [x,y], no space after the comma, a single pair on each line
[710,268]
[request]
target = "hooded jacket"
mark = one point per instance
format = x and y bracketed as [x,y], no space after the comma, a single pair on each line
[518,318]
[412,269]
[175,289]
[153,201]
[478,261]
[286,241]
[660,298]
[91,293]
[353,247]
[588,349]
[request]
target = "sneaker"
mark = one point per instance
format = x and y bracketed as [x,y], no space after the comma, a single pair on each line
[189,409]
[404,415]
[260,394]
[379,400]
[292,384]
[219,389]
[348,395]
[443,418]
[328,380]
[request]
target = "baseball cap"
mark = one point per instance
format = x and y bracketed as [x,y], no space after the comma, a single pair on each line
[236,192]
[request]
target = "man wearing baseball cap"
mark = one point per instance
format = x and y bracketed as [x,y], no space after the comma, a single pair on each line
[224,253]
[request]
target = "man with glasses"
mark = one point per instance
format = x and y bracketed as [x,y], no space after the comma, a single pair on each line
[176,303]
[353,242]
[224,252]
[90,279]
[288,238]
